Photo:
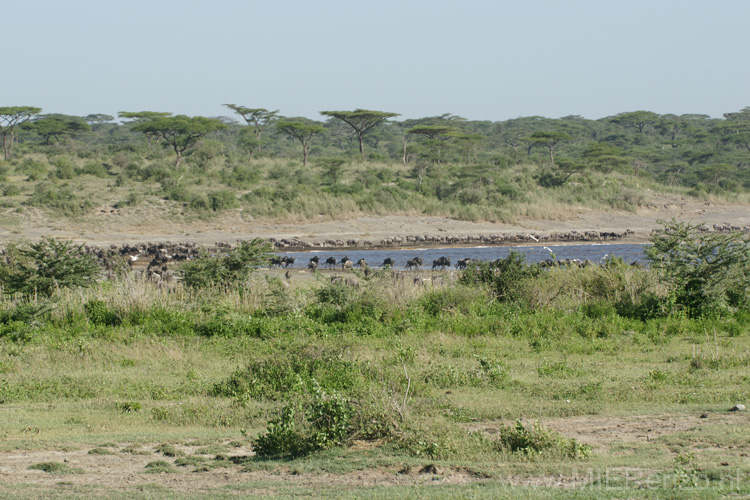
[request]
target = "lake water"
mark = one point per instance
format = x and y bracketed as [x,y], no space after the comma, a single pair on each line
[536,253]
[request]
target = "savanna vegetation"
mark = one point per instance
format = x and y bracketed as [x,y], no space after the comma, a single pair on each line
[473,387]
[264,165]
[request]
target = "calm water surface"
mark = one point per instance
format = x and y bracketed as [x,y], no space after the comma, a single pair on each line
[537,253]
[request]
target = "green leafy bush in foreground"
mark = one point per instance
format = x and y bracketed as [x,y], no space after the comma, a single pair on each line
[226,270]
[46,266]
[324,424]
[706,272]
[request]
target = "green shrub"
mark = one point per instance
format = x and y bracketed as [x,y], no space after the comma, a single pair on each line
[64,168]
[505,277]
[325,423]
[538,441]
[56,468]
[46,266]
[35,170]
[11,190]
[99,313]
[707,273]
[226,270]
[96,169]
[222,200]
[451,300]
[159,467]
[295,371]
[128,406]
[60,199]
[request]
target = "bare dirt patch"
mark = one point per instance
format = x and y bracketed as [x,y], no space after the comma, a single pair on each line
[604,432]
[122,470]
[146,224]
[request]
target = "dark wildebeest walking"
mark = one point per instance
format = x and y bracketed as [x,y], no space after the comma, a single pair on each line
[413,264]
[275,262]
[388,262]
[462,263]
[442,263]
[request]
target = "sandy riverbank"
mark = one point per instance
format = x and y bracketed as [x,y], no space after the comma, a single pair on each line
[112,227]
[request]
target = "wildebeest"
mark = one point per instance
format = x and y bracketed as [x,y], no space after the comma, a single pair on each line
[388,262]
[442,263]
[275,262]
[313,265]
[346,265]
[361,263]
[462,263]
[413,264]
[315,259]
[330,262]
[287,261]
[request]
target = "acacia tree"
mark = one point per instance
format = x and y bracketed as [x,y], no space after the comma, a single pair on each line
[138,117]
[256,118]
[549,139]
[736,129]
[361,121]
[436,136]
[180,132]
[10,118]
[636,119]
[468,143]
[302,132]
[97,120]
[56,126]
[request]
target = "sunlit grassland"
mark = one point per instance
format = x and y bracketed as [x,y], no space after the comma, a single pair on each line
[131,363]
[67,187]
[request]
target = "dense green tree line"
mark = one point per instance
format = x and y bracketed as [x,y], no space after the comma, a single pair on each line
[688,150]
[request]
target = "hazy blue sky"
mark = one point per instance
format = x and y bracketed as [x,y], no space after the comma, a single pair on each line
[481,59]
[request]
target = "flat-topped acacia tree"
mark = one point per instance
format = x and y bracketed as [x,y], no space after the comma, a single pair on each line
[138,117]
[180,132]
[256,118]
[362,121]
[301,132]
[56,126]
[10,118]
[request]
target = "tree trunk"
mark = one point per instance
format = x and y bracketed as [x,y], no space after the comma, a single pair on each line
[305,153]
[5,146]
[362,146]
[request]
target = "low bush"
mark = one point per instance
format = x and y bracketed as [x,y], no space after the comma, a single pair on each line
[228,269]
[707,272]
[537,441]
[297,370]
[325,423]
[46,266]
[506,278]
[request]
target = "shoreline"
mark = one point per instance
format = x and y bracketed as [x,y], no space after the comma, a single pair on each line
[106,229]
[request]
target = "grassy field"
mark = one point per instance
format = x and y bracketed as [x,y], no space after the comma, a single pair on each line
[131,390]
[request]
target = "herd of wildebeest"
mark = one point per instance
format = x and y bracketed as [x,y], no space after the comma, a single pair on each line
[153,260]
[450,239]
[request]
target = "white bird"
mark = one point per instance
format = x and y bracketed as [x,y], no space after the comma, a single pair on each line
[533,238]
